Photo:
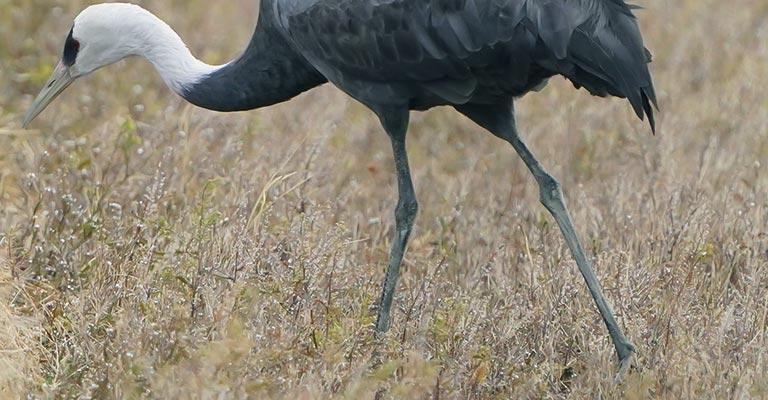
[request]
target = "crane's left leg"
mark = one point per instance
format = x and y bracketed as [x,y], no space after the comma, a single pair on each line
[499,120]
[395,122]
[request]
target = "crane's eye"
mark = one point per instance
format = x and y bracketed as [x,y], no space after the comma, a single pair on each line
[71,47]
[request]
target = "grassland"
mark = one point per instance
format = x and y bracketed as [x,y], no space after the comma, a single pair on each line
[150,249]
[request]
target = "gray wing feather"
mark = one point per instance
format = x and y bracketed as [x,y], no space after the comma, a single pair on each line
[554,21]
[387,39]
[442,44]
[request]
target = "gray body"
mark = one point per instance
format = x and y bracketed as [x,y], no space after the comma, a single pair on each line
[424,53]
[475,55]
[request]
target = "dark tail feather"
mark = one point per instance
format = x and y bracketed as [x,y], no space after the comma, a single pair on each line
[648,107]
[609,58]
[606,66]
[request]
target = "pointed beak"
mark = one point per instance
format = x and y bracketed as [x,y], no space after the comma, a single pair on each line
[60,79]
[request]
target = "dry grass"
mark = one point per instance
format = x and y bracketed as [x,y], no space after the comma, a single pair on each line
[154,250]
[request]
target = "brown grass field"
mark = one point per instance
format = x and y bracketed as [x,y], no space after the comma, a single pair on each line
[151,249]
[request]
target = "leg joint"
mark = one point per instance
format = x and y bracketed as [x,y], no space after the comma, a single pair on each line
[405,213]
[550,192]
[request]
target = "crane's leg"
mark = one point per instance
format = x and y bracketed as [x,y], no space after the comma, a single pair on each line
[500,121]
[395,122]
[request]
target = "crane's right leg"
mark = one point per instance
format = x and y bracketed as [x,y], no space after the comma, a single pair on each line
[499,120]
[395,122]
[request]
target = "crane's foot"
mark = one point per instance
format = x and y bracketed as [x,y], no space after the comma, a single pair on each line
[627,360]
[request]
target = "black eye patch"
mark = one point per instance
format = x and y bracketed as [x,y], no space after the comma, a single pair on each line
[71,47]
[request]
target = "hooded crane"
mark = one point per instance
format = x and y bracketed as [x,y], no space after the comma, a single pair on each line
[395,56]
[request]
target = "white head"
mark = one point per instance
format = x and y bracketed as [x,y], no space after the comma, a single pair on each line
[106,33]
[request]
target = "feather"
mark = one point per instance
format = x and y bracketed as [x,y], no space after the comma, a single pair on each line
[456,51]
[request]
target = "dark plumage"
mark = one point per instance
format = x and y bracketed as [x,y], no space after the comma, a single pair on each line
[475,55]
[425,53]
[395,56]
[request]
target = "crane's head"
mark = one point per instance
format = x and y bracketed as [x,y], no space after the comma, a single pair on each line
[100,36]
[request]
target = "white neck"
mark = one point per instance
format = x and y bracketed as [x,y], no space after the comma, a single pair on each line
[171,57]
[132,30]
